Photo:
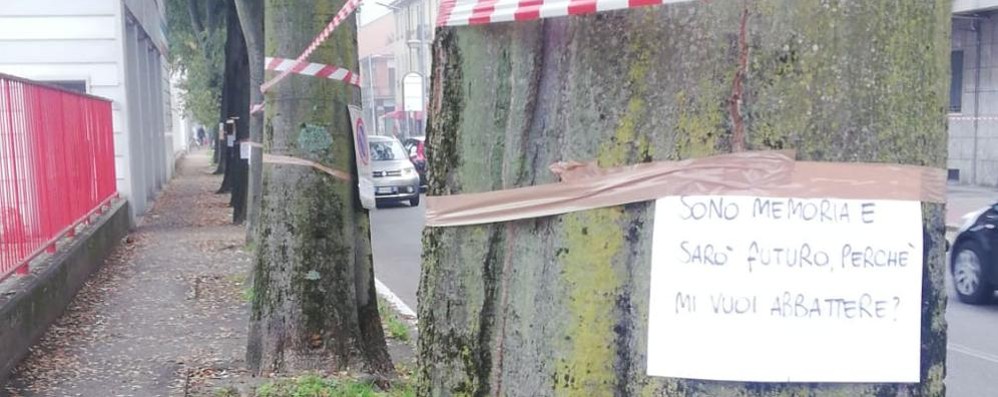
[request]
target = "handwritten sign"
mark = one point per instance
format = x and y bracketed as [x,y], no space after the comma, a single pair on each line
[785,289]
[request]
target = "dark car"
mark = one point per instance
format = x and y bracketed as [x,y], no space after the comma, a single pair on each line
[974,256]
[416,146]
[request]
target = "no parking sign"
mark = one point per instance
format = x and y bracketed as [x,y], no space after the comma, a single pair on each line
[362,152]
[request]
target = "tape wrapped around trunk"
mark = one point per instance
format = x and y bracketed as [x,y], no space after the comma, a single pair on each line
[762,173]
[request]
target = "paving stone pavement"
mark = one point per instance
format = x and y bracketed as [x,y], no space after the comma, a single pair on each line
[166,312]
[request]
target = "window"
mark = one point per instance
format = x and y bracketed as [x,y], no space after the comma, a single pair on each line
[956,82]
[387,150]
[391,79]
[71,85]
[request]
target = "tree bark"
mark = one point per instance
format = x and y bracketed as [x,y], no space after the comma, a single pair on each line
[251,19]
[195,14]
[219,154]
[559,305]
[314,304]
[235,100]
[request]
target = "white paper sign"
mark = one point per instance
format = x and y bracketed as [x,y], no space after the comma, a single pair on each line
[786,290]
[231,140]
[244,150]
[362,151]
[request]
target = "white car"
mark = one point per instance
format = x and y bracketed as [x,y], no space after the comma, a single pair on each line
[395,178]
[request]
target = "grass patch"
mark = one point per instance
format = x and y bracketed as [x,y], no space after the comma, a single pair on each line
[226,392]
[315,386]
[396,328]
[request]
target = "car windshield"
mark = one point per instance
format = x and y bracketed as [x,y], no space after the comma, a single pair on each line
[387,151]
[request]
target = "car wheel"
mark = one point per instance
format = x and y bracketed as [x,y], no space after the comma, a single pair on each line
[414,202]
[968,274]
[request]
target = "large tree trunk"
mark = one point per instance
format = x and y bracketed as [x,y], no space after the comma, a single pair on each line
[314,303]
[251,19]
[559,305]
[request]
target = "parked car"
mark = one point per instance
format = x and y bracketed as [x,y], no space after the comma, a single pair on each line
[974,256]
[416,147]
[395,178]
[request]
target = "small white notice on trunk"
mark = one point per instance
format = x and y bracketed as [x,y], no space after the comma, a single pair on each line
[244,150]
[785,289]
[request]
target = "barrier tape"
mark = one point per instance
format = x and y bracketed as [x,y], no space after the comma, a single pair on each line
[312,69]
[257,108]
[290,160]
[772,174]
[344,12]
[972,118]
[478,12]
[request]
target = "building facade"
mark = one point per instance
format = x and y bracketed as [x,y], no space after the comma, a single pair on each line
[109,48]
[376,52]
[415,23]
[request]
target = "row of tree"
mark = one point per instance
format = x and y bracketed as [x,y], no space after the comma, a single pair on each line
[559,305]
[314,304]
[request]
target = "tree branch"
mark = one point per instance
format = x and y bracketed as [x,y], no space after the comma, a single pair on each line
[195,13]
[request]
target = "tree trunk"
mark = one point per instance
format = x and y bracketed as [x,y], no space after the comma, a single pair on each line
[221,154]
[314,303]
[251,19]
[559,305]
[238,168]
[236,99]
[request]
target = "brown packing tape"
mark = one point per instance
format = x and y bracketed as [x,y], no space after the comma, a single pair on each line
[288,160]
[771,174]
[864,181]
[605,188]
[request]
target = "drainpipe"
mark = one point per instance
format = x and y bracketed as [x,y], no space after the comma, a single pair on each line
[977,99]
[370,99]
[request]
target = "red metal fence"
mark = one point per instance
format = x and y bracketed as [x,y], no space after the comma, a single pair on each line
[56,167]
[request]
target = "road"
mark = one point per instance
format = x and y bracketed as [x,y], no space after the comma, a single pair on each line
[972,359]
[397,243]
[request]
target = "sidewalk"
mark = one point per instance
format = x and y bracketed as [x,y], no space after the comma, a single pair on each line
[164,313]
[962,199]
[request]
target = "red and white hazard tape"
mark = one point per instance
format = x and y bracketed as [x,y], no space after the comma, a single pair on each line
[312,69]
[477,12]
[972,118]
[344,12]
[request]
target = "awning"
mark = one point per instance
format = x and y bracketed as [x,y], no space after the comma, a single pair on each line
[401,114]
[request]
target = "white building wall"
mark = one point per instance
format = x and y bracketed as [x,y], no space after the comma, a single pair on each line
[964,6]
[89,40]
[58,40]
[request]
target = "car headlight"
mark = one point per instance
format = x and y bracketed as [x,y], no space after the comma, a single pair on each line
[408,170]
[970,219]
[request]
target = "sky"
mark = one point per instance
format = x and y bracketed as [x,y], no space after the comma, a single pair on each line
[371,10]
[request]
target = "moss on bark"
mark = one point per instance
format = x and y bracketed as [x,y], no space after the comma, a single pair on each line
[563,310]
[314,306]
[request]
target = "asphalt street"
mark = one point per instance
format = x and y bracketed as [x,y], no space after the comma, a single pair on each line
[972,356]
[396,234]
[972,359]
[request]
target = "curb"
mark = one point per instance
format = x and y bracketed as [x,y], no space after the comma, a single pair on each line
[405,312]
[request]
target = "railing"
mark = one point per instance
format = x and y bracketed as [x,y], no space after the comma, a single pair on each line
[56,167]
